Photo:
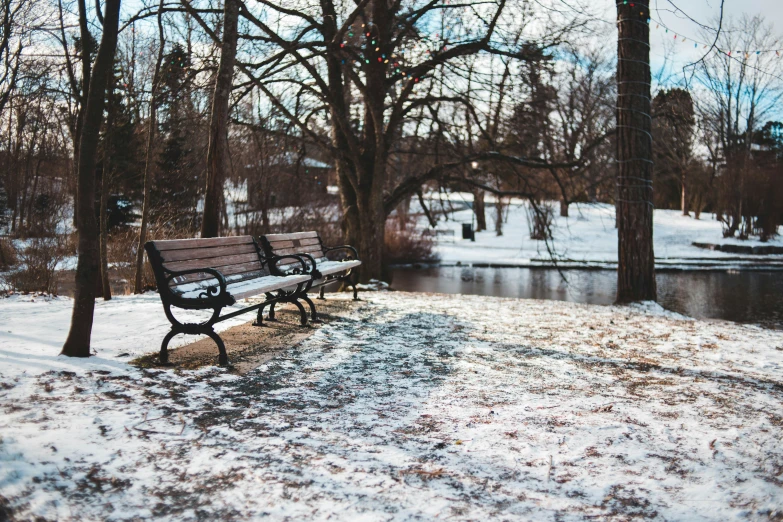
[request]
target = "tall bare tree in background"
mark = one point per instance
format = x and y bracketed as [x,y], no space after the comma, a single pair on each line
[369,71]
[636,259]
[87,270]
[152,124]
[217,153]
[744,88]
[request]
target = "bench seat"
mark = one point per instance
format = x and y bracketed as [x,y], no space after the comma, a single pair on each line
[244,288]
[327,264]
[333,267]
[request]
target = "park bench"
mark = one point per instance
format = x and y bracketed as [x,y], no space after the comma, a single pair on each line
[211,274]
[309,246]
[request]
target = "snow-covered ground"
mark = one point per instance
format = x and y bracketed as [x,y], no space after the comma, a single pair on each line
[587,238]
[415,407]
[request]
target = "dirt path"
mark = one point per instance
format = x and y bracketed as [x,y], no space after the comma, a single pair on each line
[250,346]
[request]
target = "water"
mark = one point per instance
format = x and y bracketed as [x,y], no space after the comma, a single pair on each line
[747,297]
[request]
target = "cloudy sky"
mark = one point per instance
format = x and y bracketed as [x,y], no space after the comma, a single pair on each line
[676,15]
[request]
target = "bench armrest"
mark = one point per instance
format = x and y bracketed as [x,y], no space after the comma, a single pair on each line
[343,247]
[217,293]
[298,257]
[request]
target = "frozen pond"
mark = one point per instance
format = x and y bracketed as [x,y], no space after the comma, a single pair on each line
[748,297]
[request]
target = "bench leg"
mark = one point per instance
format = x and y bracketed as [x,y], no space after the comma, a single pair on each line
[302,312]
[164,347]
[321,293]
[223,356]
[311,304]
[271,315]
[352,279]
[259,317]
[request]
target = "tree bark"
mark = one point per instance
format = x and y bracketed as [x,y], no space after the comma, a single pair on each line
[217,153]
[104,217]
[684,195]
[86,60]
[636,259]
[78,342]
[104,232]
[480,210]
[138,280]
[499,204]
[563,208]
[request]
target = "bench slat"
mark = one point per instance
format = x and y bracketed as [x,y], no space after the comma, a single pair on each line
[214,262]
[177,244]
[249,270]
[206,253]
[313,250]
[282,244]
[294,235]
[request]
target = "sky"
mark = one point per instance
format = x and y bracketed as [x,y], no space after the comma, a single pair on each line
[674,14]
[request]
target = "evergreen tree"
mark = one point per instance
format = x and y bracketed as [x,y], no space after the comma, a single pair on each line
[176,190]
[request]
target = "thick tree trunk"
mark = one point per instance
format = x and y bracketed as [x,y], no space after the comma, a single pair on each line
[138,280]
[86,60]
[480,210]
[78,342]
[217,153]
[563,208]
[636,260]
[372,219]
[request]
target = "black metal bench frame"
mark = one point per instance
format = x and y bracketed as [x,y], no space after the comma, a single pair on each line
[318,279]
[217,297]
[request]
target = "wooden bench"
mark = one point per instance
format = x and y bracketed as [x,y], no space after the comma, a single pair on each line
[211,274]
[341,267]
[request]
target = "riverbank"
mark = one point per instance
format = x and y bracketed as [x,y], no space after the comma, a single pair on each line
[588,239]
[402,407]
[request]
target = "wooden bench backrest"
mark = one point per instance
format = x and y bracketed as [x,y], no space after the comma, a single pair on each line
[237,258]
[294,243]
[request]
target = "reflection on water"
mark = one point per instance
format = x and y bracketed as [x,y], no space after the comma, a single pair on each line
[755,297]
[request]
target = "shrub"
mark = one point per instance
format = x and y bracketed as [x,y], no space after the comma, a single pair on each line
[8,254]
[540,219]
[38,261]
[408,246]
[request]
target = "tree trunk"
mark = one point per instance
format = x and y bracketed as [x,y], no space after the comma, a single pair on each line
[138,280]
[499,216]
[103,212]
[636,259]
[563,208]
[86,60]
[480,210]
[104,231]
[372,219]
[78,342]
[684,196]
[217,153]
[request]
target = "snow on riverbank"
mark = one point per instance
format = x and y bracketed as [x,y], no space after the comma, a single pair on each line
[588,238]
[415,407]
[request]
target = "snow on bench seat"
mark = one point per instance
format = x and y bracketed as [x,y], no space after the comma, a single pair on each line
[332,267]
[245,288]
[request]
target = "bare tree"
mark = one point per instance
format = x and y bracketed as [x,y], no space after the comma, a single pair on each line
[368,70]
[742,90]
[78,342]
[217,153]
[148,159]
